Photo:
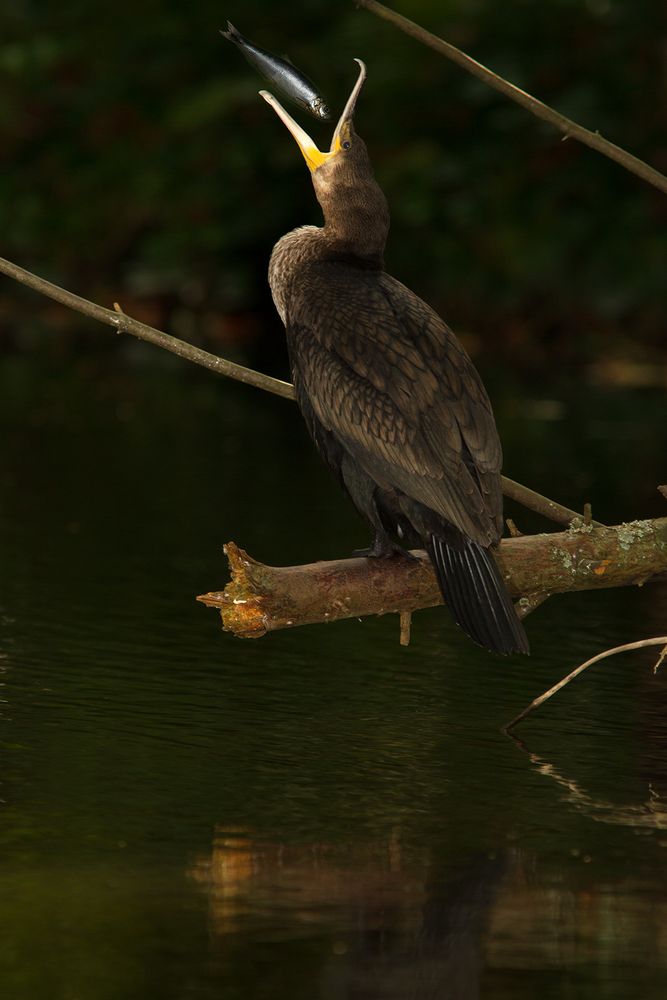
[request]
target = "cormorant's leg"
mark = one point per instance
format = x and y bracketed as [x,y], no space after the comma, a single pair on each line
[382,548]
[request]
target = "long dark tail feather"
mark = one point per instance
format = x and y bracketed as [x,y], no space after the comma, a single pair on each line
[476,595]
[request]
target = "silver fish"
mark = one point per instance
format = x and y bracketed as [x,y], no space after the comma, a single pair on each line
[280,73]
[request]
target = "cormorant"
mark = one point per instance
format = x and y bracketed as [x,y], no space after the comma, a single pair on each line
[389,396]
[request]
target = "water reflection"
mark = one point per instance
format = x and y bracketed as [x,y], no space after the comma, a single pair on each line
[377,836]
[396,927]
[650,814]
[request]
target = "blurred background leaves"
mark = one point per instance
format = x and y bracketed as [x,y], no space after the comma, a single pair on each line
[140,165]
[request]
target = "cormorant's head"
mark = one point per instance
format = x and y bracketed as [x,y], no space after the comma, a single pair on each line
[355,210]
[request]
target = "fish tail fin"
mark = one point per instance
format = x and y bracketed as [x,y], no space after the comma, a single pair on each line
[232,34]
[476,594]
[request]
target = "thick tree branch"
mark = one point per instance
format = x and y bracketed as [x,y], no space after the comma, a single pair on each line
[261,599]
[569,128]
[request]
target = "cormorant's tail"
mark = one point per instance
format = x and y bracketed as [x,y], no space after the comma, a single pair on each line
[476,595]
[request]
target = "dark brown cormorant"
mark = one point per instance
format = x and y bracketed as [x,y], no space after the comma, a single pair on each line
[390,397]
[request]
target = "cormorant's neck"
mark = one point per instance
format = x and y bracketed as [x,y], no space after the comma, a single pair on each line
[356,221]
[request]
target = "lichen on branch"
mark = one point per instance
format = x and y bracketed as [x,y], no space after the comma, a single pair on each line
[261,598]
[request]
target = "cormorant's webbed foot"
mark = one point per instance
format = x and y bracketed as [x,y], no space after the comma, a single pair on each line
[382,548]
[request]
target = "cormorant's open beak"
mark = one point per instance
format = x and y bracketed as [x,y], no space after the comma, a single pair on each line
[312,155]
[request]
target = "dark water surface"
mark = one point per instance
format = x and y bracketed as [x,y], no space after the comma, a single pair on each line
[320,813]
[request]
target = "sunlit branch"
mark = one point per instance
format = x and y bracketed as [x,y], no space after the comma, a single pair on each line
[263,598]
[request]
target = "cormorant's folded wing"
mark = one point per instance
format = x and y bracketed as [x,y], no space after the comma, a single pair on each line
[388,379]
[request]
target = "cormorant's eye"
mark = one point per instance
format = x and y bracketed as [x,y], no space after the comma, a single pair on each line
[347,144]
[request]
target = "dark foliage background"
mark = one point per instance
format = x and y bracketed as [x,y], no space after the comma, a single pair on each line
[139,164]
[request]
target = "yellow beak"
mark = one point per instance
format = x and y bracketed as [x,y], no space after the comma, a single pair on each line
[312,155]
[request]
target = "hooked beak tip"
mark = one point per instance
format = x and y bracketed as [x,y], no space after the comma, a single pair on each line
[348,110]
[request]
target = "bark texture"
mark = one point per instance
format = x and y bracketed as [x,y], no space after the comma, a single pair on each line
[261,599]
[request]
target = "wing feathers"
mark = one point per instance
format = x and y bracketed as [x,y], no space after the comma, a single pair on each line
[385,375]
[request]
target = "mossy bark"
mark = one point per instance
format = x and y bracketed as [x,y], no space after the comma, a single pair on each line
[261,599]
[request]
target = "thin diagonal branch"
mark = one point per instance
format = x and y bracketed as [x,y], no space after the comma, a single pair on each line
[541,505]
[125,324]
[569,128]
[221,366]
[660,640]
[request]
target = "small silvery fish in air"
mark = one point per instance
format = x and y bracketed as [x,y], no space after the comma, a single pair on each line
[280,73]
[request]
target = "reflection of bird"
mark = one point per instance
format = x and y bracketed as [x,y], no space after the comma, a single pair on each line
[391,399]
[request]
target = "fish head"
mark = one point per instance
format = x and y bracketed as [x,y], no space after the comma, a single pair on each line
[320,109]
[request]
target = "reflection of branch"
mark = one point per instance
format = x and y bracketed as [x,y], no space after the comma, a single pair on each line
[651,814]
[660,640]
[262,598]
[221,366]
[569,128]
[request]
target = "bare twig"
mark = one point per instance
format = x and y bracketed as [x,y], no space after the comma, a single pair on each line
[125,324]
[405,618]
[659,661]
[570,129]
[660,640]
[541,505]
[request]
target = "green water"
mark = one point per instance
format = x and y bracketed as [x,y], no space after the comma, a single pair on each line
[320,813]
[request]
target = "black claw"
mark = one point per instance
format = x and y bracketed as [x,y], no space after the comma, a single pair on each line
[382,548]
